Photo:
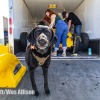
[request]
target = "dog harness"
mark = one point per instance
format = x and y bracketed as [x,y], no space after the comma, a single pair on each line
[42,60]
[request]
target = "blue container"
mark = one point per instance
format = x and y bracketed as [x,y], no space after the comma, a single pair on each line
[89,51]
[6,33]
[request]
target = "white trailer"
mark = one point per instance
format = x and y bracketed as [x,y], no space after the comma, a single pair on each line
[23,15]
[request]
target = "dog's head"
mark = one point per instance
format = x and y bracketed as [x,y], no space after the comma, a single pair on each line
[42,37]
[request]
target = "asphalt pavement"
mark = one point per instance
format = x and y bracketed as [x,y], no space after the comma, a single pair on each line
[68,80]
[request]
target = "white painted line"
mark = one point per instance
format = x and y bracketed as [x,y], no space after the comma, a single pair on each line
[21,57]
[75,59]
[67,59]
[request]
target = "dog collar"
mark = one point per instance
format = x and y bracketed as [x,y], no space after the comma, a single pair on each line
[32,47]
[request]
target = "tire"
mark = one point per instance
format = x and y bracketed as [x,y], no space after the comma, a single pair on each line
[85,41]
[23,41]
[77,43]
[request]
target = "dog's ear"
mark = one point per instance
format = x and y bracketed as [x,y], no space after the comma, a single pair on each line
[30,37]
[54,39]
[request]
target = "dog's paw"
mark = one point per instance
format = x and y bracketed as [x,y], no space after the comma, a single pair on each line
[36,93]
[47,92]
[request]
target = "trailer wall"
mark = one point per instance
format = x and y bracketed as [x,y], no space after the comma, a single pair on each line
[89,14]
[3,13]
[23,22]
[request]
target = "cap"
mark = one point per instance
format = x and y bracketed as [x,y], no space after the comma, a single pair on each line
[64,14]
[41,23]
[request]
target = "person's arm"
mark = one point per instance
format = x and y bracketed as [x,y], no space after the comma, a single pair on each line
[69,25]
[70,21]
[52,20]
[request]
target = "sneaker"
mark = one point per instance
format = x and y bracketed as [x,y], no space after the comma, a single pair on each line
[54,54]
[64,54]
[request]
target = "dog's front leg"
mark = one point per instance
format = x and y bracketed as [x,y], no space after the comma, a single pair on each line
[33,82]
[45,73]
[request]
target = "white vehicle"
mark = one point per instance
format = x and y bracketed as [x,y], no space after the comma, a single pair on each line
[24,15]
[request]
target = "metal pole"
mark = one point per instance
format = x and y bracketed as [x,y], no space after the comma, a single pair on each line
[11,27]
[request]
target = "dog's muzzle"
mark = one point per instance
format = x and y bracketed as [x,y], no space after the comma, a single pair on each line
[42,41]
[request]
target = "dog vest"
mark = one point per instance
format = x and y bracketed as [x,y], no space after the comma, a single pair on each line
[42,60]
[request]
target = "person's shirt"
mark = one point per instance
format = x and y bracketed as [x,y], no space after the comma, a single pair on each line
[65,21]
[57,18]
[74,18]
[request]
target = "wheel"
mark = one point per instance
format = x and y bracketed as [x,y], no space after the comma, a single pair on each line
[76,48]
[23,40]
[85,41]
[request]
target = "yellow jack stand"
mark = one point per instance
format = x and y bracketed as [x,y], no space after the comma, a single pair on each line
[11,70]
[4,49]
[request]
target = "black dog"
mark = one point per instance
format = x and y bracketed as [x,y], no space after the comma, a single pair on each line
[38,53]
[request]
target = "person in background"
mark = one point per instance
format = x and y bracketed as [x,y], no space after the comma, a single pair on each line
[61,30]
[41,23]
[73,19]
[44,20]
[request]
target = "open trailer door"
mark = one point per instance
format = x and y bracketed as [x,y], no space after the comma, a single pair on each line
[11,27]
[37,11]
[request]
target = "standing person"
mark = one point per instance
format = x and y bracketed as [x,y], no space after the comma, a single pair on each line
[61,30]
[73,19]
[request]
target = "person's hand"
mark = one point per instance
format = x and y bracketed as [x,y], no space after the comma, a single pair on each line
[50,26]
